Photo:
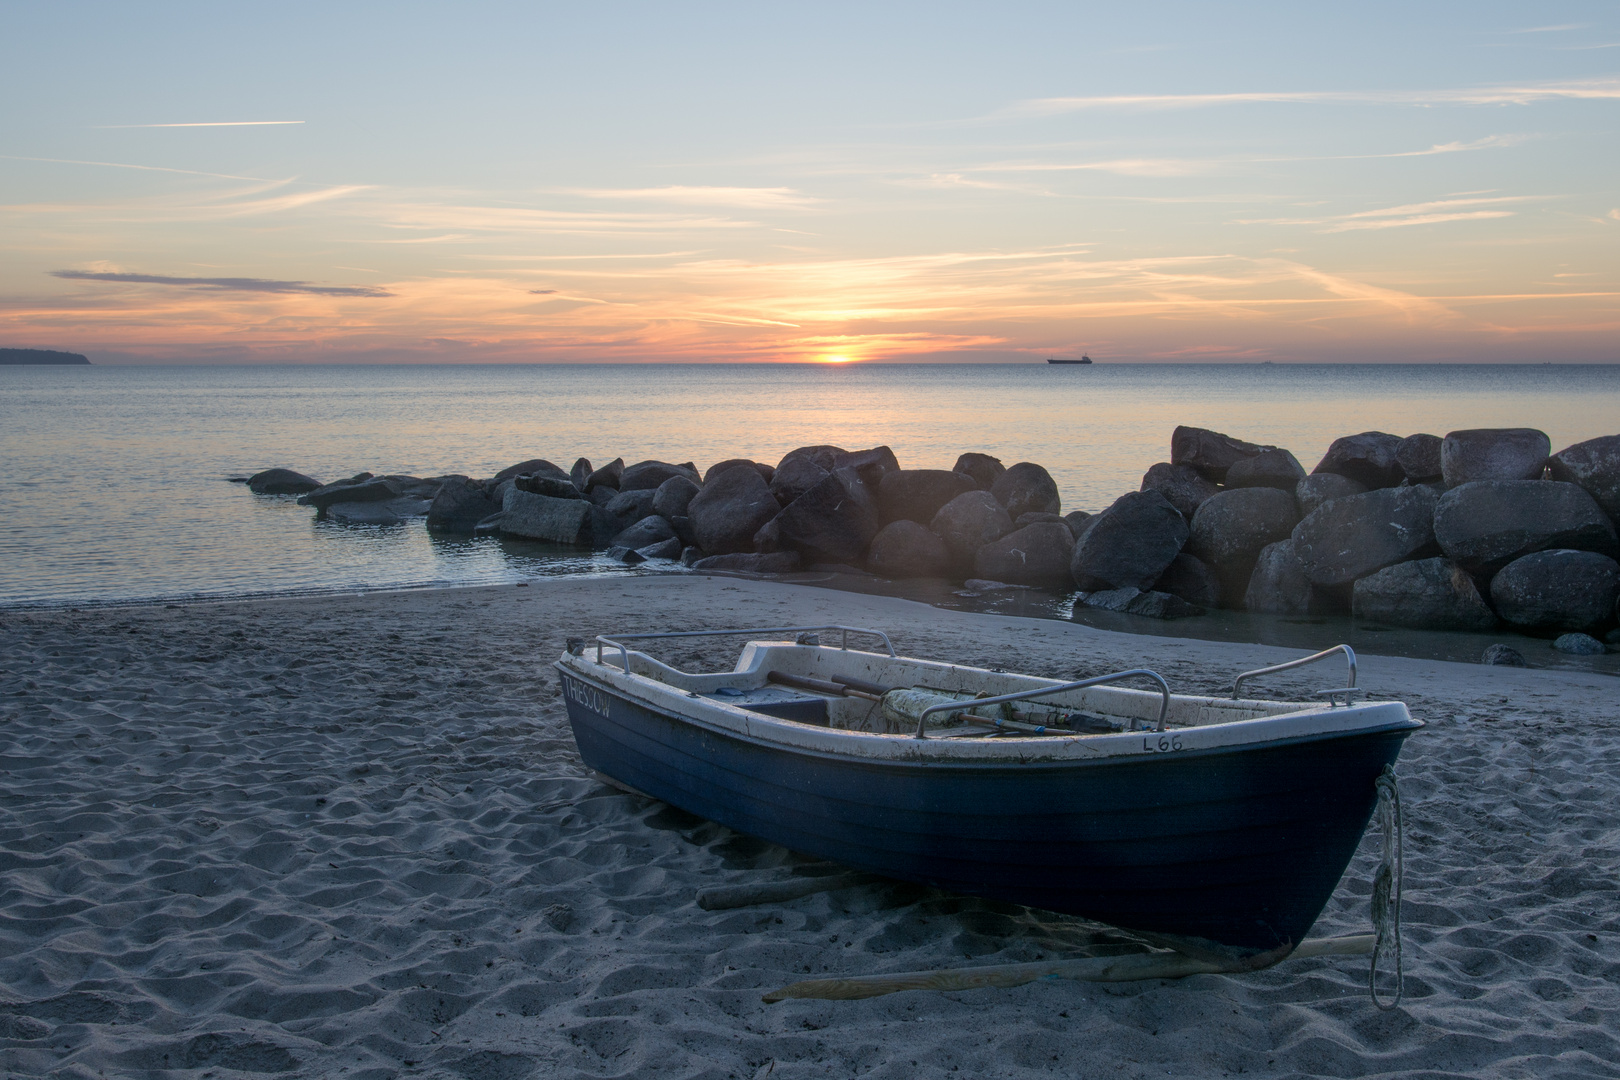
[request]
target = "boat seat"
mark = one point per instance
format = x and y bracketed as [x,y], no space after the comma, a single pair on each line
[776,701]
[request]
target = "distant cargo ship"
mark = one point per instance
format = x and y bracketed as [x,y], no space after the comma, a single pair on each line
[1055,360]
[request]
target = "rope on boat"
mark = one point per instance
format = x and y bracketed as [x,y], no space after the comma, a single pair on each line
[1386,894]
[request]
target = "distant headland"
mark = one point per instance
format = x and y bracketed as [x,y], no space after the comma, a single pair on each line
[41,356]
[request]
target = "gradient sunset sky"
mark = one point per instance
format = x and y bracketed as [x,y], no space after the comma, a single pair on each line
[743,182]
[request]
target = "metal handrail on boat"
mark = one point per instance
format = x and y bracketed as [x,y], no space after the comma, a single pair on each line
[1119,676]
[618,640]
[1349,654]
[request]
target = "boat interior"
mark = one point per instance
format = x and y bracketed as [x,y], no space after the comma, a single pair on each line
[834,686]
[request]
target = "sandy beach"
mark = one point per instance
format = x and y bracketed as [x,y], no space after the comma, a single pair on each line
[350,836]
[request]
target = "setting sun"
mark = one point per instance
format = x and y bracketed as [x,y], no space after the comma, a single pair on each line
[836,358]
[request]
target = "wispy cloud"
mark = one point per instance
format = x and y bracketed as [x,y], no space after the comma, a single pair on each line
[142,168]
[206,123]
[750,198]
[1550,29]
[1522,94]
[223,284]
[1395,217]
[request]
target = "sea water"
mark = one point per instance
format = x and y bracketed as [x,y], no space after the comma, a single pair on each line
[114,479]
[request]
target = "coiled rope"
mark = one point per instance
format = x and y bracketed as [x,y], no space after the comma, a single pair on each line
[1386,893]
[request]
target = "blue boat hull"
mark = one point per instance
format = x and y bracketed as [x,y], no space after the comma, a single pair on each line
[1236,850]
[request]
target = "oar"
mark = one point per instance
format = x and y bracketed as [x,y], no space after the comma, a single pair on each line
[1132,967]
[822,686]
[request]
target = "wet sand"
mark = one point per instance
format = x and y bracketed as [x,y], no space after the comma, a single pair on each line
[350,836]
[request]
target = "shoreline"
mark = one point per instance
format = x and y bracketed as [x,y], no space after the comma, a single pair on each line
[350,835]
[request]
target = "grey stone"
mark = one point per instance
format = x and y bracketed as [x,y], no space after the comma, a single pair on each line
[1037,554]
[1209,452]
[491,524]
[530,468]
[281,482]
[371,489]
[608,475]
[683,529]
[601,495]
[361,513]
[1503,656]
[1077,521]
[983,468]
[968,522]
[1419,457]
[417,487]
[664,549]
[1493,454]
[628,556]
[795,476]
[986,585]
[673,496]
[1184,486]
[541,517]
[751,562]
[1040,515]
[905,549]
[459,506]
[765,471]
[1557,590]
[1486,524]
[1579,645]
[730,510]
[769,536]
[1188,577]
[1426,594]
[832,522]
[545,484]
[580,474]
[822,456]
[1317,489]
[1131,545]
[1595,466]
[690,555]
[1367,458]
[648,475]
[1278,585]
[1230,529]
[917,494]
[1025,487]
[870,465]
[1133,601]
[631,506]
[1349,538]
[651,529]
[1270,468]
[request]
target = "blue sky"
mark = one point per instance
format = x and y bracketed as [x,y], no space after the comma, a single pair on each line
[747,182]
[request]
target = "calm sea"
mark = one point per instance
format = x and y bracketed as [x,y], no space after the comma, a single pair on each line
[113,479]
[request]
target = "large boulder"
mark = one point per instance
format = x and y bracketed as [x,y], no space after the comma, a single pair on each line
[832,522]
[983,468]
[1557,590]
[1426,594]
[871,466]
[822,455]
[1493,454]
[630,506]
[1349,538]
[1368,458]
[1593,464]
[1190,578]
[608,475]
[764,470]
[1184,486]
[1132,544]
[1037,554]
[1318,488]
[542,517]
[580,474]
[1419,457]
[530,468]
[651,529]
[1230,529]
[917,494]
[545,484]
[1131,601]
[968,522]
[1486,524]
[673,496]
[729,510]
[281,482]
[1270,468]
[905,549]
[1209,452]
[750,562]
[649,474]
[1278,585]
[796,475]
[371,489]
[1025,487]
[459,505]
